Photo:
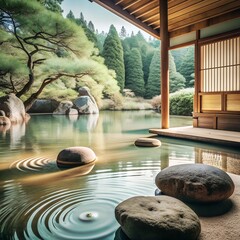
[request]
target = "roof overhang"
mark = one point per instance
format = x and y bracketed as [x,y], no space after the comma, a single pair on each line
[184,16]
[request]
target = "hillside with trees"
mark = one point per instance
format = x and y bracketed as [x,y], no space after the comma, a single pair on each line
[44,55]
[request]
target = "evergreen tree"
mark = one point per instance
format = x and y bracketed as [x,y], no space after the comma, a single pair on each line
[100,40]
[123,33]
[113,54]
[91,27]
[30,37]
[87,29]
[178,55]
[134,73]
[52,5]
[153,84]
[177,81]
[187,67]
[70,15]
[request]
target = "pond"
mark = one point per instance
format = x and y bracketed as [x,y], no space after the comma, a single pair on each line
[40,201]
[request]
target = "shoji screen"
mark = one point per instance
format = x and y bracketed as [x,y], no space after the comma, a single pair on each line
[220,66]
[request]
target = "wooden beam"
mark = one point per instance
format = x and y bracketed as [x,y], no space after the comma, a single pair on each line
[163,4]
[205,23]
[131,4]
[143,6]
[148,11]
[116,9]
[198,16]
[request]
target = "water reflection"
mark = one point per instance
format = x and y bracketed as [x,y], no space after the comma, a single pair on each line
[40,201]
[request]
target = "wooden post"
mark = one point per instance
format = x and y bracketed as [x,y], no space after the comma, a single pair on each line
[163,4]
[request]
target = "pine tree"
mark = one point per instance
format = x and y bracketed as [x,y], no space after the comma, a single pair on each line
[123,33]
[187,67]
[70,15]
[30,36]
[153,84]
[177,81]
[91,26]
[113,54]
[134,73]
[153,87]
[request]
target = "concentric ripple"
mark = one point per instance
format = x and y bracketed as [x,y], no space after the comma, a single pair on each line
[61,220]
[33,164]
[58,215]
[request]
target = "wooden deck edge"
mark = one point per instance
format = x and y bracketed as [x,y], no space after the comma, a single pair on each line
[197,138]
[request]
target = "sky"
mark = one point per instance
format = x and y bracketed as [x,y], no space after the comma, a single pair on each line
[100,17]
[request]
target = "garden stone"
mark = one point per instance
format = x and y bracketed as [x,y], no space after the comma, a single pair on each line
[43,106]
[63,107]
[157,218]
[13,108]
[147,142]
[86,103]
[195,183]
[75,156]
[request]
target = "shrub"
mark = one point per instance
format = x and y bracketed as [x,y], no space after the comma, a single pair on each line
[181,102]
[156,103]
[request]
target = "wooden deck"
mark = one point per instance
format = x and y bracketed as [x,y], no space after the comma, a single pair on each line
[226,138]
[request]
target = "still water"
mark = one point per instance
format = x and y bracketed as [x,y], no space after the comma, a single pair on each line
[40,201]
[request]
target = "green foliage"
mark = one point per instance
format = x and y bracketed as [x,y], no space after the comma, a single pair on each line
[153,83]
[113,54]
[134,73]
[181,102]
[52,5]
[177,81]
[70,15]
[146,51]
[178,55]
[100,40]
[40,49]
[187,66]
[123,33]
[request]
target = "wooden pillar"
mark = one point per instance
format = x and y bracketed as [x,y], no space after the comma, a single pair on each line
[163,4]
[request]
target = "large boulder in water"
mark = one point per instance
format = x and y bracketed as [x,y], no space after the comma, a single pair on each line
[86,103]
[13,108]
[195,183]
[43,106]
[63,108]
[157,218]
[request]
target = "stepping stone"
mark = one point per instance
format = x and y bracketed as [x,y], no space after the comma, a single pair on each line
[147,142]
[195,183]
[157,218]
[75,156]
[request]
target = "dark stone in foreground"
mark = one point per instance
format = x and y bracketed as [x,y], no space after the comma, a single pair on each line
[195,183]
[147,142]
[157,218]
[75,156]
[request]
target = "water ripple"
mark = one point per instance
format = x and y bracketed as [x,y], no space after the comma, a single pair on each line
[58,215]
[34,164]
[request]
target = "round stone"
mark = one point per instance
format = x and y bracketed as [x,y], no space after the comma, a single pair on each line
[147,142]
[4,121]
[75,156]
[195,183]
[157,218]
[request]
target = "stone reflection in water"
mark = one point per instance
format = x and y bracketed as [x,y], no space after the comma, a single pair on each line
[227,161]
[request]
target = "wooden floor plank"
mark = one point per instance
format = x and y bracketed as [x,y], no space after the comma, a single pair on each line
[227,138]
